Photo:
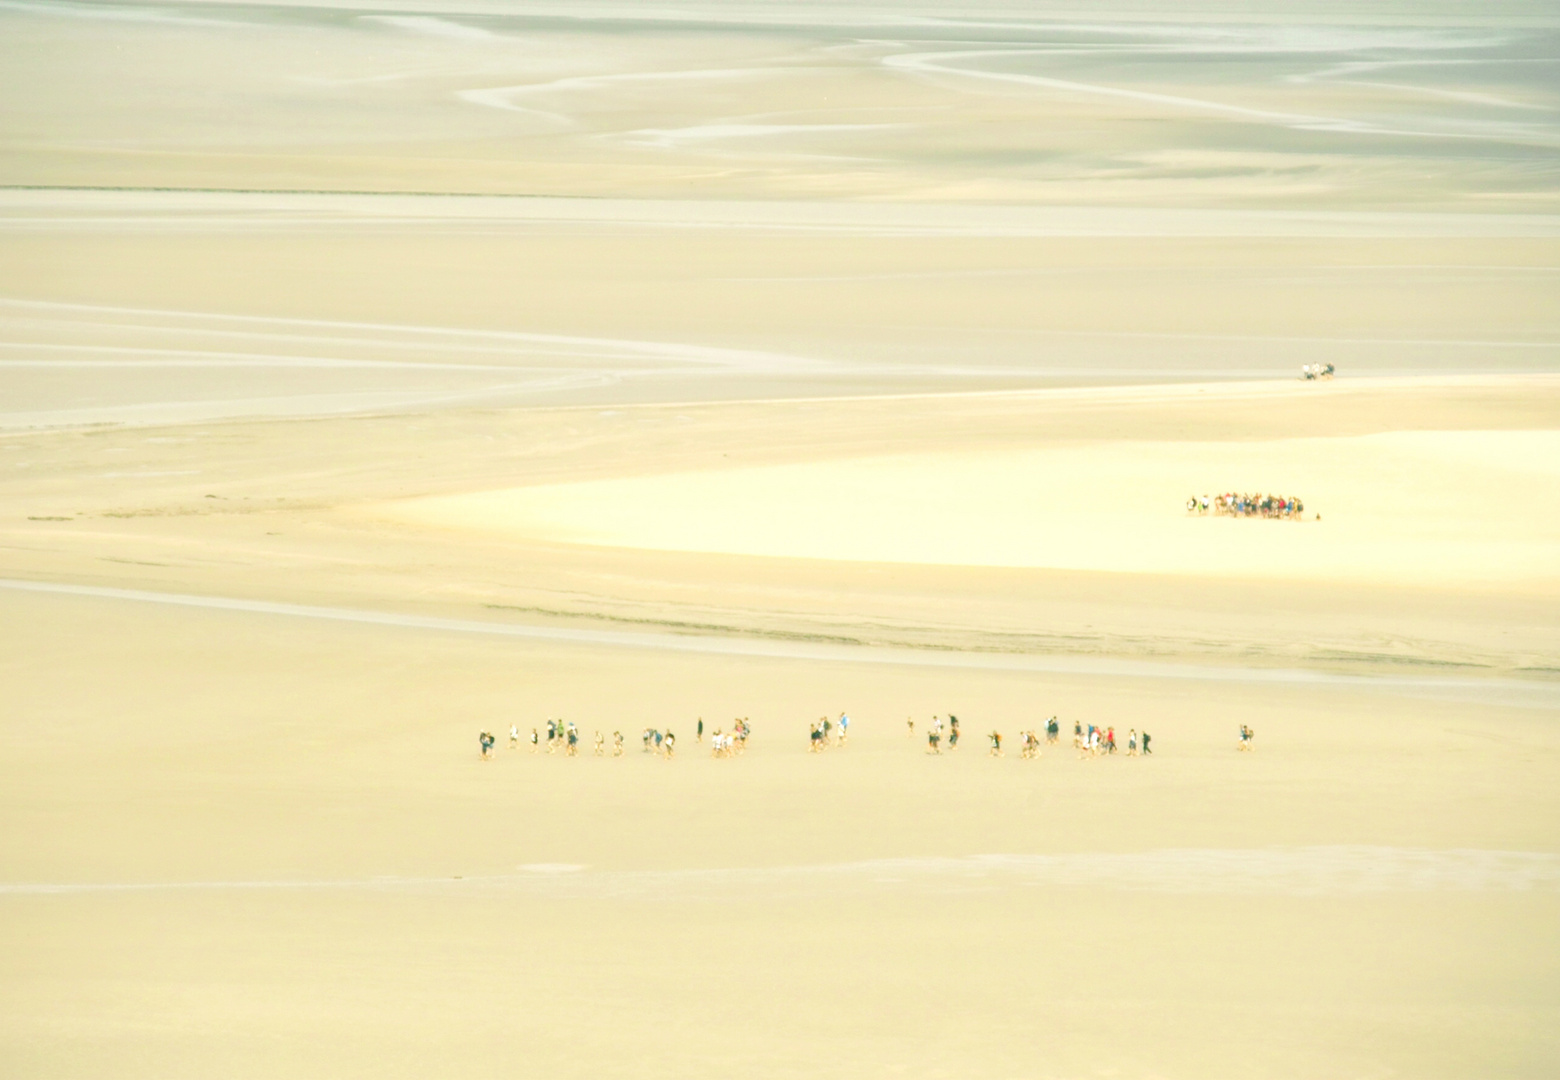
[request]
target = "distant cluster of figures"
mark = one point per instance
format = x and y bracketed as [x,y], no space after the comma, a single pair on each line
[934,733]
[728,744]
[1312,372]
[1089,740]
[939,729]
[1237,504]
[660,742]
[826,733]
[1092,741]
[560,736]
[565,737]
[722,743]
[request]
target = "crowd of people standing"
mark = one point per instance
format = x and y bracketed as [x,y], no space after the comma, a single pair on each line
[1245,504]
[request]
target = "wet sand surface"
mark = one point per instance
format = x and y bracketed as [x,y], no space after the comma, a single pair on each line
[436,371]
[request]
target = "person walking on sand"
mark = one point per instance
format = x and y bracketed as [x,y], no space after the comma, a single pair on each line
[996,743]
[601,744]
[844,728]
[535,738]
[485,740]
[909,728]
[514,736]
[1132,743]
[617,744]
[698,735]
[1110,740]
[574,739]
[933,737]
[1146,750]
[953,732]
[669,744]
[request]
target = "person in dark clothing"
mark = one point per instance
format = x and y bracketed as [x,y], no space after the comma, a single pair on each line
[1146,750]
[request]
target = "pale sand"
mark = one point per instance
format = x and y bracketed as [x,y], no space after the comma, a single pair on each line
[257,811]
[1408,508]
[363,303]
[873,376]
[149,746]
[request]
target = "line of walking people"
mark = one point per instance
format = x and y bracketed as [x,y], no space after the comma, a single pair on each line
[1090,740]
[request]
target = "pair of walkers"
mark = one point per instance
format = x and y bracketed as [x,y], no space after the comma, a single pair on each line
[934,734]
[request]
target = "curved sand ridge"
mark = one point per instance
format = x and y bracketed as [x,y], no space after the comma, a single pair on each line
[1406,506]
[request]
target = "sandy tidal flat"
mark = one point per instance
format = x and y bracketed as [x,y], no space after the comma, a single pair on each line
[376,374]
[1415,508]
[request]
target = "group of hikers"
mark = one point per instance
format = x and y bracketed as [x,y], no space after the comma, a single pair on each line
[722,744]
[566,737]
[1237,504]
[560,736]
[1311,372]
[727,744]
[1088,740]
[1092,741]
[934,733]
[660,742]
[826,733]
[1028,740]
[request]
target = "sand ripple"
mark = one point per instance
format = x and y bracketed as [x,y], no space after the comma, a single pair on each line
[1301,871]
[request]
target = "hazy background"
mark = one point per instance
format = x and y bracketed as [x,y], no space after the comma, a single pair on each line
[708,201]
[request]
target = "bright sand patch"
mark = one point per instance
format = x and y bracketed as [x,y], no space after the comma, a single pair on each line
[1412,507]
